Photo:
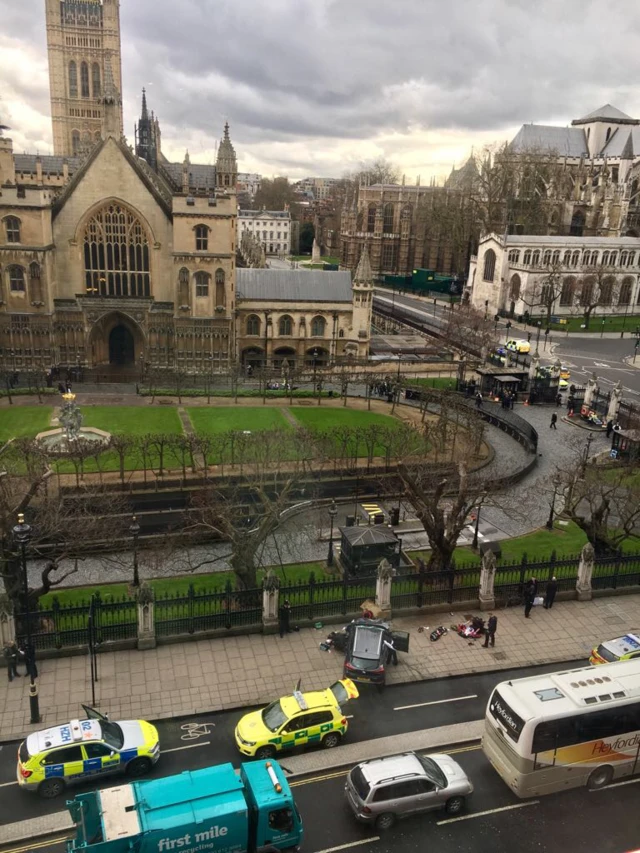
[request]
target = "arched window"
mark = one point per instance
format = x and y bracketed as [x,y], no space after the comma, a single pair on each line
[514,290]
[568,291]
[586,291]
[73,80]
[202,238]
[623,258]
[535,259]
[84,80]
[527,258]
[613,259]
[605,259]
[594,258]
[577,224]
[547,258]
[95,80]
[388,219]
[16,279]
[371,219]
[285,325]
[632,259]
[555,258]
[202,283]
[341,333]
[514,256]
[35,288]
[318,326]
[34,271]
[116,254]
[575,258]
[586,258]
[489,265]
[75,142]
[566,258]
[253,324]
[12,229]
[183,287]
[221,297]
[625,291]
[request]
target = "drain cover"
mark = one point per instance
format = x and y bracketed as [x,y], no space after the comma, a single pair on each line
[499,655]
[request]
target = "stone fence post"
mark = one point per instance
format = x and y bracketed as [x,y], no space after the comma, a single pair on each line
[7,622]
[585,573]
[590,390]
[270,603]
[614,402]
[146,618]
[487,578]
[383,587]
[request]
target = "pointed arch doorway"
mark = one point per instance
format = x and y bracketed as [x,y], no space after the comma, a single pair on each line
[122,351]
[117,342]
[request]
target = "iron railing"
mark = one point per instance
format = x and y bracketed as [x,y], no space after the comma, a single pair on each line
[198,611]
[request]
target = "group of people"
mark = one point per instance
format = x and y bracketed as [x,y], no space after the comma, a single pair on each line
[15,655]
[531,593]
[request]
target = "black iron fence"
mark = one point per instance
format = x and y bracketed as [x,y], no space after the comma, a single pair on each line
[425,589]
[199,611]
[317,599]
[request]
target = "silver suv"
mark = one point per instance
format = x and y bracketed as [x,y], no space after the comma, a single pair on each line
[386,789]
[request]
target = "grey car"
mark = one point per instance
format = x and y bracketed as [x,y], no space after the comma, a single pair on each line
[383,790]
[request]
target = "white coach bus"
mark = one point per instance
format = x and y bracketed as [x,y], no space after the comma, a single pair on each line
[547,733]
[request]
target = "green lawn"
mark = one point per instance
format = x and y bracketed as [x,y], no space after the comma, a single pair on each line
[616,323]
[220,419]
[18,421]
[327,418]
[445,382]
[176,586]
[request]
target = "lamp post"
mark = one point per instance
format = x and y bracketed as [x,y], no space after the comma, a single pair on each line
[333,511]
[474,544]
[134,530]
[22,536]
[556,484]
[539,324]
[315,367]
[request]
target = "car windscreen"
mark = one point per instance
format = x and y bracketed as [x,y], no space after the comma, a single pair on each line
[604,652]
[273,716]
[365,663]
[23,753]
[360,784]
[112,734]
[434,772]
[500,711]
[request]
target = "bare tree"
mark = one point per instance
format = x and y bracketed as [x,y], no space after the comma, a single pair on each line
[470,330]
[594,290]
[545,291]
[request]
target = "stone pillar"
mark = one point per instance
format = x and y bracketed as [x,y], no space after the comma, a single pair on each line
[591,390]
[585,573]
[383,587]
[614,402]
[487,577]
[270,603]
[146,618]
[533,367]
[555,370]
[7,622]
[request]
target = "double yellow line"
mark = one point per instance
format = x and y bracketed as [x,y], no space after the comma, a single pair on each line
[36,845]
[338,773]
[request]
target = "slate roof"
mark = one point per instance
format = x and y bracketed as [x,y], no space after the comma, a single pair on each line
[625,142]
[566,141]
[605,113]
[201,177]
[50,164]
[293,285]
[374,535]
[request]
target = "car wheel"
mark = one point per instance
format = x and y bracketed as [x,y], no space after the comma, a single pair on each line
[600,777]
[385,820]
[138,767]
[51,788]
[264,752]
[331,740]
[454,805]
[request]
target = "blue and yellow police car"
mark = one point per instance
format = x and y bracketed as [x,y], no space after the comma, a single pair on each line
[50,760]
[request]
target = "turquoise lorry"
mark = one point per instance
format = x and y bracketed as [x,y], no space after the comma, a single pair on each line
[214,810]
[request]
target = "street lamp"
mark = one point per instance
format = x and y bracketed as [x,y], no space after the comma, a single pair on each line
[333,511]
[474,544]
[315,367]
[22,536]
[134,530]
[539,324]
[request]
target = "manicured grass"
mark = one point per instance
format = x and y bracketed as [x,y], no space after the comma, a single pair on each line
[328,418]
[220,419]
[19,421]
[176,586]
[615,323]
[446,382]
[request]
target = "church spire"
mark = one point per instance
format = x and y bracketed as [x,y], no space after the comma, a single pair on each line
[147,138]
[145,113]
[364,273]
[226,163]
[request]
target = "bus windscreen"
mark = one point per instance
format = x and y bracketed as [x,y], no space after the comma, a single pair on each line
[499,709]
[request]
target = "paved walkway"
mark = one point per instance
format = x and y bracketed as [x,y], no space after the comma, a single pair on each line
[206,675]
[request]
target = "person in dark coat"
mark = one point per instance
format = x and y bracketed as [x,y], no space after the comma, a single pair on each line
[550,593]
[609,428]
[490,633]
[284,615]
[554,421]
[529,596]
[11,657]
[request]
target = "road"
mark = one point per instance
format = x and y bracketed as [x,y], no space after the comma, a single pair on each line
[495,820]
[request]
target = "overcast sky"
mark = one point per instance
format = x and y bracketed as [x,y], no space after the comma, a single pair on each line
[314,87]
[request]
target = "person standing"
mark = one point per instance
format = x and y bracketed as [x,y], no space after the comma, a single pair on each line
[554,421]
[284,615]
[609,428]
[388,641]
[529,596]
[550,593]
[11,657]
[490,635]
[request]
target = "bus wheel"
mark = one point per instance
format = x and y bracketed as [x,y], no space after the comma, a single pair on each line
[600,777]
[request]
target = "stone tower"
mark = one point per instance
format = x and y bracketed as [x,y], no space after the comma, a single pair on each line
[226,164]
[83,38]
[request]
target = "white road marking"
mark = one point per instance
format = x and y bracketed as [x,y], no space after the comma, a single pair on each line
[437,702]
[188,746]
[488,811]
[6,784]
[350,844]
[615,785]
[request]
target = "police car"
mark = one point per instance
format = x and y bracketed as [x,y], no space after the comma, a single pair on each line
[50,760]
[612,651]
